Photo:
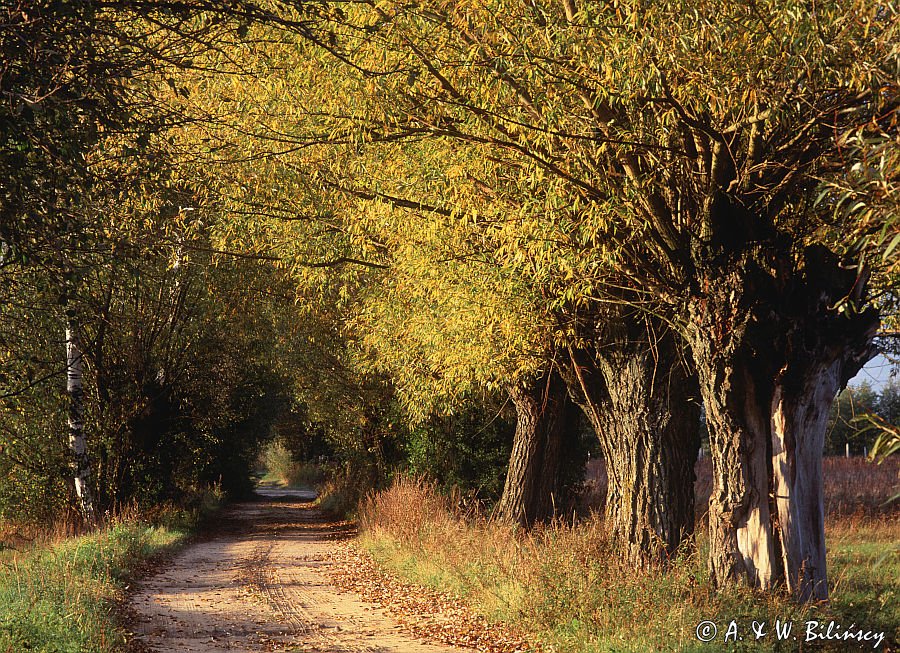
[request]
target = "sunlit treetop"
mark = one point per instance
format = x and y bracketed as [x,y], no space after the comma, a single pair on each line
[589,153]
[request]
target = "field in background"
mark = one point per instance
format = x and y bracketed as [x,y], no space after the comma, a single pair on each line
[853,486]
[563,585]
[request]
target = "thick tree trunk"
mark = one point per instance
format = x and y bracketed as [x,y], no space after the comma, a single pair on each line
[77,443]
[801,404]
[532,487]
[642,404]
[742,540]
[769,370]
[799,421]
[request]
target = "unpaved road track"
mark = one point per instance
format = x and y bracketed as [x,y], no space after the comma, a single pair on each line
[257,585]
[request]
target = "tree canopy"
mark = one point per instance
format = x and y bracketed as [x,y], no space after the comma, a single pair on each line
[633,205]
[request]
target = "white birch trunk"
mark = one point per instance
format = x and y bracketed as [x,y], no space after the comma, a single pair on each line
[77,443]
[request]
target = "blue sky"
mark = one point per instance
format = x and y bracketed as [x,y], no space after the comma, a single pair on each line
[876,372]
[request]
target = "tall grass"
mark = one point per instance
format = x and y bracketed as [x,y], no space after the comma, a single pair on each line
[565,586]
[62,594]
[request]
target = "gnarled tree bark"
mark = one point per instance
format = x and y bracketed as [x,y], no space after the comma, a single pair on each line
[736,396]
[771,352]
[543,417]
[823,349]
[641,401]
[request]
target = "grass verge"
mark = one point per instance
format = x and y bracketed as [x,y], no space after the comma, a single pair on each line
[64,595]
[564,586]
[342,491]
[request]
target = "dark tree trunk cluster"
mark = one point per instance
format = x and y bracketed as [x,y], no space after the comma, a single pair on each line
[768,353]
[641,401]
[544,422]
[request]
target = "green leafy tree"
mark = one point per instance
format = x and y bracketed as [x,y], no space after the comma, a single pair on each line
[889,401]
[679,152]
[886,424]
[82,156]
[847,420]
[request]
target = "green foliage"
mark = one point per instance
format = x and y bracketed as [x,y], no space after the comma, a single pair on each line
[859,416]
[869,193]
[844,426]
[345,488]
[451,194]
[886,424]
[468,450]
[889,401]
[565,172]
[283,467]
[96,229]
[474,184]
[182,388]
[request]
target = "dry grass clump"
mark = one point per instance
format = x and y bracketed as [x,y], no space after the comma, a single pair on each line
[442,545]
[411,509]
[561,581]
[564,584]
[19,535]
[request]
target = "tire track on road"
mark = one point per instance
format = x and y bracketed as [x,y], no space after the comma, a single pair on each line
[257,585]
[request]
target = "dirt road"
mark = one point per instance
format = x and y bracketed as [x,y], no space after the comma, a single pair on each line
[257,585]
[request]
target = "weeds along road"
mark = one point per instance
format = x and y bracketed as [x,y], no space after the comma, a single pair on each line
[256,584]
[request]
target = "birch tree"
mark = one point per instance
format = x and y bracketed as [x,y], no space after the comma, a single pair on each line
[78,119]
[77,442]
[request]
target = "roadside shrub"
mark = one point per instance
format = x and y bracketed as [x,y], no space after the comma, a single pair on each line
[344,489]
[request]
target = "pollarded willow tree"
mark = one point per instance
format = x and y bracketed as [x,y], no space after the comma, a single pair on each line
[473,245]
[673,151]
[687,146]
[422,303]
[447,324]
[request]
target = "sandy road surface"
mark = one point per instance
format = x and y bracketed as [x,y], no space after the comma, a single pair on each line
[257,585]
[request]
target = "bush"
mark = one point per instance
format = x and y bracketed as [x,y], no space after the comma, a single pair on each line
[469,451]
[282,467]
[345,489]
